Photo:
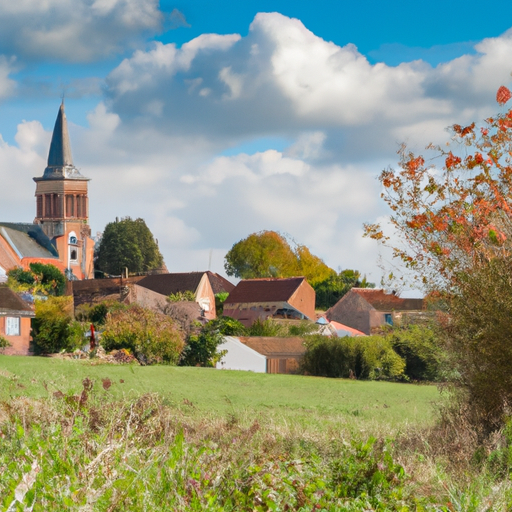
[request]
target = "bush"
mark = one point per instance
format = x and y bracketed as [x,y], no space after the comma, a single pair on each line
[364,357]
[97,313]
[4,343]
[268,327]
[421,350]
[187,296]
[201,347]
[53,328]
[42,278]
[152,337]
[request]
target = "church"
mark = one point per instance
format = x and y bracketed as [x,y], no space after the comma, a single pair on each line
[60,233]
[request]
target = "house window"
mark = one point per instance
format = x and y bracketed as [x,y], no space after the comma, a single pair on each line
[388,318]
[72,255]
[12,326]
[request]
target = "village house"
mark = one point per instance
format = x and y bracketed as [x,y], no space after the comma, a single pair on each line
[259,299]
[60,234]
[15,315]
[366,309]
[261,354]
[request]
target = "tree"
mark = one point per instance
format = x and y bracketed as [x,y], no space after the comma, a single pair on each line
[269,254]
[53,328]
[47,279]
[263,254]
[128,244]
[453,216]
[332,289]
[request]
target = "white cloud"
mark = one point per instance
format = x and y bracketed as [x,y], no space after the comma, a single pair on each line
[74,30]
[160,145]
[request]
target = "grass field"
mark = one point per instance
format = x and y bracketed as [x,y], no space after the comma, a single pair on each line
[310,402]
[164,438]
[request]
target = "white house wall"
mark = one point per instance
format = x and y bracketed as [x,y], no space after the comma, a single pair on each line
[240,357]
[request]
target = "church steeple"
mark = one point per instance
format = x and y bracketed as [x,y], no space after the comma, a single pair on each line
[62,204]
[60,161]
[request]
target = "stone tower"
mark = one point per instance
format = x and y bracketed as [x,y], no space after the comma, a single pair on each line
[62,205]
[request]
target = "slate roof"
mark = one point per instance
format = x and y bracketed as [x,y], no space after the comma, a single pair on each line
[10,302]
[28,240]
[275,347]
[166,284]
[60,161]
[264,290]
[383,301]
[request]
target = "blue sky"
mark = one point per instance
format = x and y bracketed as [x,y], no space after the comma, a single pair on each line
[213,120]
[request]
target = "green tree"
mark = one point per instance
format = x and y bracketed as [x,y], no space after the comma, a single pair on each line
[263,254]
[53,328]
[332,289]
[128,244]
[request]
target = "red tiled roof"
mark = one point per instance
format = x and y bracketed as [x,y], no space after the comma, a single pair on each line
[219,284]
[10,301]
[166,284]
[383,301]
[264,290]
[274,347]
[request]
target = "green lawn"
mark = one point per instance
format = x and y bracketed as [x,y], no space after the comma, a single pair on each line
[297,401]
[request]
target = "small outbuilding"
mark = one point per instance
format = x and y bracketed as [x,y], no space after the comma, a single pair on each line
[261,354]
[15,317]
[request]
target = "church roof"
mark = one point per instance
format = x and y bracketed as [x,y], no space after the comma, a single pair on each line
[28,240]
[60,161]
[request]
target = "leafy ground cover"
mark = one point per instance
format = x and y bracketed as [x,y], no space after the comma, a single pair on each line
[76,436]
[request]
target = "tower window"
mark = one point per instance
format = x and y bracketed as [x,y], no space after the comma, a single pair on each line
[73,255]
[73,240]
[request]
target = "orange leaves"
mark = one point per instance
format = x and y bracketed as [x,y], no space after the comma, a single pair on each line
[503,95]
[451,161]
[463,131]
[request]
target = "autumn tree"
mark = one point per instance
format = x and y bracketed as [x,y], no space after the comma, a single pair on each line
[270,254]
[263,254]
[128,244]
[452,217]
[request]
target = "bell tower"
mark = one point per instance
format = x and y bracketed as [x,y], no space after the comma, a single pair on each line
[62,204]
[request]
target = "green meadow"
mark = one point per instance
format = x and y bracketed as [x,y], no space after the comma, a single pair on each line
[98,437]
[306,401]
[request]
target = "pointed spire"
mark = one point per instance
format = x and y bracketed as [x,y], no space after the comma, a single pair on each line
[60,160]
[60,148]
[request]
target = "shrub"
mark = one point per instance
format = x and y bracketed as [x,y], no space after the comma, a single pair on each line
[53,328]
[187,296]
[97,313]
[219,302]
[201,347]
[268,327]
[42,278]
[4,343]
[152,337]
[422,351]
[365,357]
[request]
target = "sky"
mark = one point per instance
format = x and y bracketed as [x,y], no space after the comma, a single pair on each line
[214,120]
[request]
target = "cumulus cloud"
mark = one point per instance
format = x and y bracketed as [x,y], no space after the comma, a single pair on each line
[156,146]
[74,30]
[281,76]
